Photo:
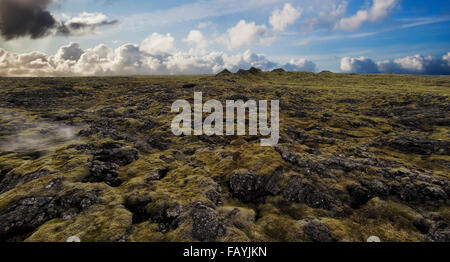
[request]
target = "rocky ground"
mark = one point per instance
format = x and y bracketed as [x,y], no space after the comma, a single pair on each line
[359,156]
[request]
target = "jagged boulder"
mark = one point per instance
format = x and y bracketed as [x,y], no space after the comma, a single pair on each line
[439,232]
[301,191]
[103,172]
[420,146]
[247,187]
[23,216]
[252,188]
[207,226]
[115,153]
[368,189]
[317,232]
[421,193]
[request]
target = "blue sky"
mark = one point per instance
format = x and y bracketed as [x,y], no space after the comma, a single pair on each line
[323,32]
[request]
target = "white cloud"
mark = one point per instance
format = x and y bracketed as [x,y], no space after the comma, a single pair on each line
[132,59]
[328,18]
[246,34]
[416,64]
[379,10]
[196,39]
[71,52]
[358,65]
[280,19]
[302,64]
[88,18]
[204,24]
[84,23]
[157,44]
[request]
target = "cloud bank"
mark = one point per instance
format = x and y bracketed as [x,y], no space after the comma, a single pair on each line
[149,58]
[416,64]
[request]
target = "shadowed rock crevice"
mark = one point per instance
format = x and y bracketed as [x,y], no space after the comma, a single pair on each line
[106,163]
[22,217]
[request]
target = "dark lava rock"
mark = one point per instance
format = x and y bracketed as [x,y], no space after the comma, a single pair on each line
[189,151]
[248,187]
[349,101]
[300,191]
[359,195]
[212,140]
[341,163]
[158,174]
[108,112]
[159,142]
[237,97]
[22,217]
[105,126]
[137,208]
[287,155]
[148,125]
[85,148]
[439,232]
[253,188]
[103,172]
[9,181]
[114,153]
[214,196]
[43,97]
[422,193]
[318,232]
[368,189]
[420,146]
[167,217]
[376,187]
[422,224]
[408,192]
[206,225]
[189,85]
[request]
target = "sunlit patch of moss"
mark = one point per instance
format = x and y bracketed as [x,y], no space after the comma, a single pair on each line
[147,232]
[389,220]
[93,226]
[278,227]
[186,184]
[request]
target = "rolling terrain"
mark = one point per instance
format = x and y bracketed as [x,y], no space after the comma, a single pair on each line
[358,156]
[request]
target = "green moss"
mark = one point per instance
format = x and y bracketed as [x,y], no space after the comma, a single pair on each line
[322,116]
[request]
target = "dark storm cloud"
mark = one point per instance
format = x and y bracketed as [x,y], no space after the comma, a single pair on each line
[30,18]
[20,18]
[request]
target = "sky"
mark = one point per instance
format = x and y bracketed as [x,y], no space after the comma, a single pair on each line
[129,37]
